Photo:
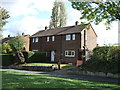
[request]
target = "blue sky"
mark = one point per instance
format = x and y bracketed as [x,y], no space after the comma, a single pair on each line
[30,16]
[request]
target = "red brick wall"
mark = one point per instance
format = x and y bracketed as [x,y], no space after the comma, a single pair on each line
[60,45]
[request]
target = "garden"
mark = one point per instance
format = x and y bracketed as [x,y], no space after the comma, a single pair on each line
[104,59]
[13,79]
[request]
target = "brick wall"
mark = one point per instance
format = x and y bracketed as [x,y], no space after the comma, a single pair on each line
[60,45]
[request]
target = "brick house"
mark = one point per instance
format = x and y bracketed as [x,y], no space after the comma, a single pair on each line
[65,44]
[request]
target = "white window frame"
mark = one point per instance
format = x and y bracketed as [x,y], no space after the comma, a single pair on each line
[36,40]
[48,39]
[73,36]
[71,52]
[68,37]
[53,38]
[35,50]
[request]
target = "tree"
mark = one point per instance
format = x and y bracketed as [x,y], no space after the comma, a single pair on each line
[59,17]
[5,47]
[99,11]
[17,45]
[3,16]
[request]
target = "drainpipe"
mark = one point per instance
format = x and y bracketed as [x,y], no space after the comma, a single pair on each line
[60,54]
[84,53]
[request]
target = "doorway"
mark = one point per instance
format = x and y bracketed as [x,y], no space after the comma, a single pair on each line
[52,56]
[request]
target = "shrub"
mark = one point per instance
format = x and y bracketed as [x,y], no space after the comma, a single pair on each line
[104,59]
[7,60]
[36,57]
[31,57]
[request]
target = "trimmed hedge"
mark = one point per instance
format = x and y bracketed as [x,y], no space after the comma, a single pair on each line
[7,60]
[36,57]
[31,57]
[104,59]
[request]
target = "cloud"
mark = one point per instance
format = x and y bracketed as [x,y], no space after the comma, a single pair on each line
[28,25]
[26,7]
[21,19]
[106,36]
[31,25]
[26,17]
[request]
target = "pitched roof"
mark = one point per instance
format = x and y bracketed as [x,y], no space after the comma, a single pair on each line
[9,38]
[6,39]
[59,31]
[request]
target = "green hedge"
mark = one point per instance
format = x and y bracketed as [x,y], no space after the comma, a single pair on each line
[7,60]
[33,57]
[36,57]
[104,59]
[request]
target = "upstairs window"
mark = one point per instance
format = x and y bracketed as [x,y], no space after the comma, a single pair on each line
[48,39]
[73,36]
[36,40]
[70,53]
[53,38]
[68,37]
[33,40]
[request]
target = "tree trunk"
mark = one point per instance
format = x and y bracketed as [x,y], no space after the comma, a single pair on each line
[21,56]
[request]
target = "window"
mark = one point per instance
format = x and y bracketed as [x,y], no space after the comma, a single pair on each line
[33,40]
[46,53]
[53,38]
[73,36]
[34,50]
[70,53]
[48,39]
[68,37]
[36,40]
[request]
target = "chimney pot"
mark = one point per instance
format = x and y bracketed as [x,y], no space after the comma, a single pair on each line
[46,27]
[22,33]
[8,35]
[76,23]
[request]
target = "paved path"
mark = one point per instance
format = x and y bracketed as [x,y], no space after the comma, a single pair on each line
[63,73]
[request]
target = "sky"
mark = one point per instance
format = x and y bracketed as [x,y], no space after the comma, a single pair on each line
[30,16]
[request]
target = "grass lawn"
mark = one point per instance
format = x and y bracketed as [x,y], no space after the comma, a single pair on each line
[48,64]
[12,79]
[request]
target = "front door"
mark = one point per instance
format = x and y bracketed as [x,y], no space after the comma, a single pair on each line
[52,56]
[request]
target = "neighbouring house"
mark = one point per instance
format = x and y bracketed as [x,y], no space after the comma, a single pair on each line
[27,41]
[66,44]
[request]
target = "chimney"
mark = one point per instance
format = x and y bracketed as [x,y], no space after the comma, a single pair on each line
[22,33]
[8,35]
[76,23]
[46,27]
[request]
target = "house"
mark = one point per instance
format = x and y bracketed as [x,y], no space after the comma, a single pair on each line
[65,44]
[27,41]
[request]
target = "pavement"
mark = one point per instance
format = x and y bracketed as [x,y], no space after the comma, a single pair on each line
[64,74]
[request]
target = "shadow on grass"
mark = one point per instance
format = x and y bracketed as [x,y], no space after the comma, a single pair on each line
[12,79]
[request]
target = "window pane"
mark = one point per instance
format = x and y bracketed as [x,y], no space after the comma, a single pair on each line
[73,53]
[73,37]
[68,37]
[36,40]
[53,38]
[66,53]
[47,39]
[33,40]
[69,52]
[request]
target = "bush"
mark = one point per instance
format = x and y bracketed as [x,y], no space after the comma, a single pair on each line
[36,57]
[7,60]
[104,59]
[31,57]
